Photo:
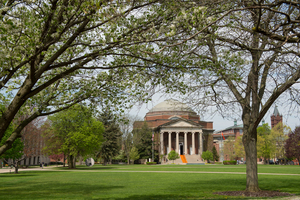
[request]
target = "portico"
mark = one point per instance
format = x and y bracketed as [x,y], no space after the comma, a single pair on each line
[177,127]
[183,136]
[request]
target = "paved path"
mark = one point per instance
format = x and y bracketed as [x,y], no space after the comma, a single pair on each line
[50,168]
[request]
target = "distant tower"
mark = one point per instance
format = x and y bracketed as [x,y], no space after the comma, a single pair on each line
[275,118]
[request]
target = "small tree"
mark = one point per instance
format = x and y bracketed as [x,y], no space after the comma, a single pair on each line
[229,148]
[15,152]
[239,147]
[207,155]
[134,154]
[215,154]
[292,145]
[173,155]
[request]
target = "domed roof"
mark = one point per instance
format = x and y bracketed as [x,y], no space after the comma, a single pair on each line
[171,105]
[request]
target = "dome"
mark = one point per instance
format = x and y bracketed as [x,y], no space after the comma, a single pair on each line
[171,105]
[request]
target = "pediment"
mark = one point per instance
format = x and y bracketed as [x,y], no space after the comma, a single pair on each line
[182,124]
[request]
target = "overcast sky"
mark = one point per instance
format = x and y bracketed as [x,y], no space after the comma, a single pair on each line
[218,122]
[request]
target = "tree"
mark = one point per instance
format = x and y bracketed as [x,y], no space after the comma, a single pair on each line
[278,136]
[134,154]
[173,155]
[237,56]
[215,154]
[207,155]
[53,142]
[16,152]
[229,149]
[126,126]
[264,143]
[78,131]
[142,140]
[59,53]
[239,147]
[112,134]
[292,145]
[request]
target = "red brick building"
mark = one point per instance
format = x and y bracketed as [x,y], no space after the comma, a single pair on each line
[276,117]
[177,127]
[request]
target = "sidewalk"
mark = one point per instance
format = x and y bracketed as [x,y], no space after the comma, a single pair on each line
[12,170]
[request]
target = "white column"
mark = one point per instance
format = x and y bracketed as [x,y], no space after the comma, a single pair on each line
[177,142]
[170,146]
[185,143]
[201,143]
[193,143]
[162,143]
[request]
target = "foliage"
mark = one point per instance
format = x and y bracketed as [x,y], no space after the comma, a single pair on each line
[207,155]
[59,53]
[229,162]
[264,144]
[112,134]
[234,60]
[151,163]
[278,136]
[77,131]
[239,147]
[292,145]
[173,155]
[126,126]
[229,149]
[16,152]
[215,154]
[120,156]
[142,140]
[134,154]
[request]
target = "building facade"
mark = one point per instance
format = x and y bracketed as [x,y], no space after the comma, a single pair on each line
[177,127]
[276,117]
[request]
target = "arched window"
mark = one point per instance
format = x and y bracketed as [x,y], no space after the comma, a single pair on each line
[173,118]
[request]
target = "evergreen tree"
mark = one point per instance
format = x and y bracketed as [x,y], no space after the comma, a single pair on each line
[142,139]
[112,136]
[215,154]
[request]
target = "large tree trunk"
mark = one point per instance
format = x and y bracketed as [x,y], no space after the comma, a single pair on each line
[71,162]
[249,140]
[16,167]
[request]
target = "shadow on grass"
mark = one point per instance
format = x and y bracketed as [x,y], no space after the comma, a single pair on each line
[54,190]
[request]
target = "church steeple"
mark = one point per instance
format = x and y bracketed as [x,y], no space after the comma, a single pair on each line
[276,112]
[276,117]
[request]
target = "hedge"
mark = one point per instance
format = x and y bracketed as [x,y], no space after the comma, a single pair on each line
[151,163]
[229,162]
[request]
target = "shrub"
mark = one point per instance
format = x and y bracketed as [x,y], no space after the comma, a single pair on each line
[150,163]
[207,155]
[229,162]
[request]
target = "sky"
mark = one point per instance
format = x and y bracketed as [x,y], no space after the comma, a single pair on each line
[219,123]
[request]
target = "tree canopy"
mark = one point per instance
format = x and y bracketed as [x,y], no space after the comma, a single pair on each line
[57,53]
[78,131]
[111,135]
[292,145]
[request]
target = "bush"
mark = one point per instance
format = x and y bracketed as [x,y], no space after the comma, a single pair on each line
[229,162]
[150,163]
[207,155]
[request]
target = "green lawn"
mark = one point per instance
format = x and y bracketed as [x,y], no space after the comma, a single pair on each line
[107,182]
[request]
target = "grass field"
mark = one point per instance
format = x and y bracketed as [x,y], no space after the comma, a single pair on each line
[143,182]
